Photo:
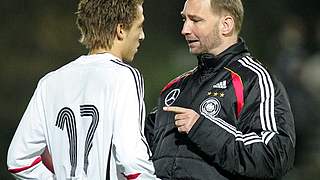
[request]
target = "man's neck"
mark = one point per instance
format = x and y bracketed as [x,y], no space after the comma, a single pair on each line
[103,50]
[98,51]
[226,43]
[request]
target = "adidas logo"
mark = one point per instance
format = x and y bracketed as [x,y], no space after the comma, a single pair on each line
[221,85]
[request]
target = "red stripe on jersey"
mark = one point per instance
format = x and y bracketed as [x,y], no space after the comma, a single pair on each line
[132,176]
[238,88]
[17,170]
[176,80]
[170,84]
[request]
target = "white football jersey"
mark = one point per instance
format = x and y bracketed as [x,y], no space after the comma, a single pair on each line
[90,114]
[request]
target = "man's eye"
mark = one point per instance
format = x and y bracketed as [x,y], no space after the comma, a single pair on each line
[195,20]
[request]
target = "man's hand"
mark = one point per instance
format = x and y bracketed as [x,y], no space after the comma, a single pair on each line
[184,118]
[47,160]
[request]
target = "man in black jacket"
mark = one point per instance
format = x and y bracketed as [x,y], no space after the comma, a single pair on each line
[226,119]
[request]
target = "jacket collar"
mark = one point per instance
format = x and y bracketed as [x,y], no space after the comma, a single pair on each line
[211,62]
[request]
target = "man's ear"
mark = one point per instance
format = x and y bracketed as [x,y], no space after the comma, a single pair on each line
[121,33]
[227,25]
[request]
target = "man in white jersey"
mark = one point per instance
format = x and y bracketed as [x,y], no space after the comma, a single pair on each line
[88,115]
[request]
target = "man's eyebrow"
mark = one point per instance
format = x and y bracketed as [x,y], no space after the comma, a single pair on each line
[191,16]
[142,21]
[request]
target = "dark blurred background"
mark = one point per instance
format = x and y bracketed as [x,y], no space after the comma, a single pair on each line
[39,36]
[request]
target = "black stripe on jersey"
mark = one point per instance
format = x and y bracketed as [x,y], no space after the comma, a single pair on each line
[109,162]
[66,116]
[141,89]
[142,97]
[92,111]
[138,81]
[143,139]
[135,76]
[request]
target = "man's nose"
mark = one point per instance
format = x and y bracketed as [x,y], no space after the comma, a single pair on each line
[185,28]
[142,36]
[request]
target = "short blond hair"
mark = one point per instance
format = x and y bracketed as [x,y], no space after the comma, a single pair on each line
[97,20]
[233,7]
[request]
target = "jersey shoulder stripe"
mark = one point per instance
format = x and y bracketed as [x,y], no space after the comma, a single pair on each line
[267,93]
[139,87]
[177,79]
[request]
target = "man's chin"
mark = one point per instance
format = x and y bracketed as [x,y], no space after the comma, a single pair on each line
[195,51]
[128,60]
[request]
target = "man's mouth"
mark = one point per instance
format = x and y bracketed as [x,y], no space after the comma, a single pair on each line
[191,41]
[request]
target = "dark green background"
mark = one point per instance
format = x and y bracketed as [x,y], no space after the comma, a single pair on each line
[39,36]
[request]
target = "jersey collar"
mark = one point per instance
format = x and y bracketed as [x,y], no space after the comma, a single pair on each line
[211,62]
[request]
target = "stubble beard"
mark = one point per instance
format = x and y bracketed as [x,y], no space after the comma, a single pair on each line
[210,43]
[213,41]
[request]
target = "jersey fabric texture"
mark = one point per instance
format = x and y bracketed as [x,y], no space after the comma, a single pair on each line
[90,114]
[245,129]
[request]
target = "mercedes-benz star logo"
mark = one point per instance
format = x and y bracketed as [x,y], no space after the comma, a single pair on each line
[171,97]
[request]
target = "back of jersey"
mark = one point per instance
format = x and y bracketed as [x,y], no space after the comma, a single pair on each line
[90,115]
[79,101]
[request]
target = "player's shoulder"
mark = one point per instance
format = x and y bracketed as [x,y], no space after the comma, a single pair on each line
[97,66]
[57,71]
[124,68]
[92,63]
[248,67]
[126,73]
[177,79]
[251,71]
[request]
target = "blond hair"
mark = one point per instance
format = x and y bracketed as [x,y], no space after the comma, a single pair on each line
[233,7]
[97,20]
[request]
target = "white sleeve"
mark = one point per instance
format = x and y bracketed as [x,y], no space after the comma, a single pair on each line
[24,160]
[129,145]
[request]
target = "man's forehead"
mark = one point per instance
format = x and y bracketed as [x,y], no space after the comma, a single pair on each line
[140,8]
[196,7]
[140,13]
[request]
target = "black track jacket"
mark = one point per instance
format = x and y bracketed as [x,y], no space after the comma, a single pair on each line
[245,129]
